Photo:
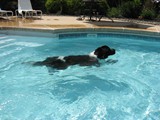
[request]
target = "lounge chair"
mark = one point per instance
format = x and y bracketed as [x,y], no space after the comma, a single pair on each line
[25,9]
[5,13]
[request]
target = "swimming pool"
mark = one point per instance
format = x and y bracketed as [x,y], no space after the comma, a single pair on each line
[125,90]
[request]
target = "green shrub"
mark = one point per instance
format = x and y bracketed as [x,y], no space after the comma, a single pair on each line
[70,7]
[40,5]
[54,6]
[74,7]
[131,9]
[114,12]
[148,14]
[158,17]
[103,7]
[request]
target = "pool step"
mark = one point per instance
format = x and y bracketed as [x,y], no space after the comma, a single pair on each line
[9,52]
[2,37]
[6,41]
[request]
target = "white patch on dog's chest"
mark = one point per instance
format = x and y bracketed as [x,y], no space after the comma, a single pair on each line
[92,54]
[61,58]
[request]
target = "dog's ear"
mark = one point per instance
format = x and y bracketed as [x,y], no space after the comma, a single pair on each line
[101,49]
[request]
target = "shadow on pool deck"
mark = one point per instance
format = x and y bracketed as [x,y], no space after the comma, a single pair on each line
[118,24]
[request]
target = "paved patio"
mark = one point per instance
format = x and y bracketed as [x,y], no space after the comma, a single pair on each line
[58,22]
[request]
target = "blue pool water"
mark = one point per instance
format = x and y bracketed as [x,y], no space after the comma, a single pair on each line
[126,90]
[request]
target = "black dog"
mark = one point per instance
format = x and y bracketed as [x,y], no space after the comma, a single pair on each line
[83,60]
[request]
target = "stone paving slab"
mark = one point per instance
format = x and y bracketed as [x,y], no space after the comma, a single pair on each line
[59,22]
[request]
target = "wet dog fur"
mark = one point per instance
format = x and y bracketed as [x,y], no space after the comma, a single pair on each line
[63,62]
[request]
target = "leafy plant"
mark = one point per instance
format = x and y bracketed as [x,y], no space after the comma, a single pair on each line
[103,7]
[74,6]
[131,9]
[54,6]
[40,5]
[114,12]
[148,14]
[70,7]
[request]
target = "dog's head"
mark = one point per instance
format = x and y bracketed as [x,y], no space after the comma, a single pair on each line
[104,51]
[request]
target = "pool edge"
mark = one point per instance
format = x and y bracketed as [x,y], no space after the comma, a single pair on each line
[55,32]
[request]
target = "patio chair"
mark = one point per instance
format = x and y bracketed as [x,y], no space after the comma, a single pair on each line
[25,9]
[5,13]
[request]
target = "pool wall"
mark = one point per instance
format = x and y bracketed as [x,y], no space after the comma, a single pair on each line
[74,32]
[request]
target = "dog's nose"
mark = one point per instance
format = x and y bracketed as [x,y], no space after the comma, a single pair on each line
[113,51]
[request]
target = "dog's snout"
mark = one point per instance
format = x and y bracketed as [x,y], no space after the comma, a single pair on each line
[113,51]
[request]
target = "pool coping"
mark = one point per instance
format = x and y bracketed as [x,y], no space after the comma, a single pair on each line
[56,32]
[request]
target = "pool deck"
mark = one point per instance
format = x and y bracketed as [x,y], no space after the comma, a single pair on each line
[61,22]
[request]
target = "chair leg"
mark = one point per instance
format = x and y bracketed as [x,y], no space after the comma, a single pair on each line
[7,15]
[17,13]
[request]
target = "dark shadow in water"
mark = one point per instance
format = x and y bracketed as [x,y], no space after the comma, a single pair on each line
[52,71]
[71,90]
